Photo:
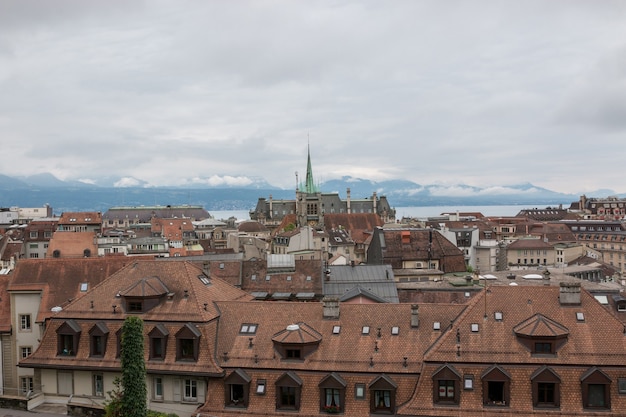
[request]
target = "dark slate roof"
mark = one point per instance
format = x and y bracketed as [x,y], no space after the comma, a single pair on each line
[375,279]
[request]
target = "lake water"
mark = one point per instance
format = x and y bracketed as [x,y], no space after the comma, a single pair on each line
[427,211]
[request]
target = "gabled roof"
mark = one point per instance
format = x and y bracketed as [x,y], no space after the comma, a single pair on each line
[359,291]
[349,281]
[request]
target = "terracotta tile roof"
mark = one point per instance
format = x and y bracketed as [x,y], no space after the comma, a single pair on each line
[529,244]
[187,299]
[306,277]
[81,217]
[348,351]
[413,244]
[67,275]
[590,342]
[596,341]
[72,244]
[359,225]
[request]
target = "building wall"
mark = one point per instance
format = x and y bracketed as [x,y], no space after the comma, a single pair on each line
[24,304]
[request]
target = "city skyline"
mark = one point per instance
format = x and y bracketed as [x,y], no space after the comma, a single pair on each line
[173,93]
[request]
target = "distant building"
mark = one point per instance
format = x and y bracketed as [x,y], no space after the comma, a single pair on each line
[310,205]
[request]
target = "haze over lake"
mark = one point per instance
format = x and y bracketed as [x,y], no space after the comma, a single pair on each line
[427,211]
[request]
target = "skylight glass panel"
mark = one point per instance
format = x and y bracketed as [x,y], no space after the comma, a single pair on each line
[436,325]
[498,315]
[336,329]
[474,327]
[580,316]
[395,330]
[366,330]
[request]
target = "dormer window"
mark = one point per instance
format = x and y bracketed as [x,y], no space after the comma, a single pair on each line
[98,336]
[134,306]
[68,335]
[158,342]
[188,343]
[296,342]
[541,335]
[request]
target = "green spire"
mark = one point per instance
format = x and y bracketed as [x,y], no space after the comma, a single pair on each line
[309,185]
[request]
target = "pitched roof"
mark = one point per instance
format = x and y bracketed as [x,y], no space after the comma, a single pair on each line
[349,350]
[189,299]
[344,280]
[65,276]
[358,225]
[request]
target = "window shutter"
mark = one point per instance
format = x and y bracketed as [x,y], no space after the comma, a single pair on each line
[177,389]
[201,391]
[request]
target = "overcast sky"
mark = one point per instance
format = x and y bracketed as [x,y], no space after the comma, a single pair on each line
[437,92]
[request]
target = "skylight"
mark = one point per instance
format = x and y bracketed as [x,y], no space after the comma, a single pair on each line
[366,330]
[248,328]
[395,330]
[436,325]
[474,327]
[336,329]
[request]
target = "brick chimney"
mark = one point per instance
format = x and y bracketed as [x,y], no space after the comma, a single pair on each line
[415,321]
[569,293]
[331,307]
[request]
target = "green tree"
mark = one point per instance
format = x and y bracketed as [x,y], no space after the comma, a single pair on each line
[133,401]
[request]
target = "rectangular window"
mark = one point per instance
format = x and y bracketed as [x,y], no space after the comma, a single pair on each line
[446,390]
[332,400]
[26,351]
[98,385]
[293,353]
[158,388]
[382,400]
[97,345]
[187,350]
[545,393]
[191,390]
[287,397]
[25,324]
[26,384]
[359,391]
[543,347]
[157,348]
[260,387]
[595,397]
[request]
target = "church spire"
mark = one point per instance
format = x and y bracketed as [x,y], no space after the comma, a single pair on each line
[309,185]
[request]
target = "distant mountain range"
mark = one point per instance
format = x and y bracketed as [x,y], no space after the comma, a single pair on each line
[242,193]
